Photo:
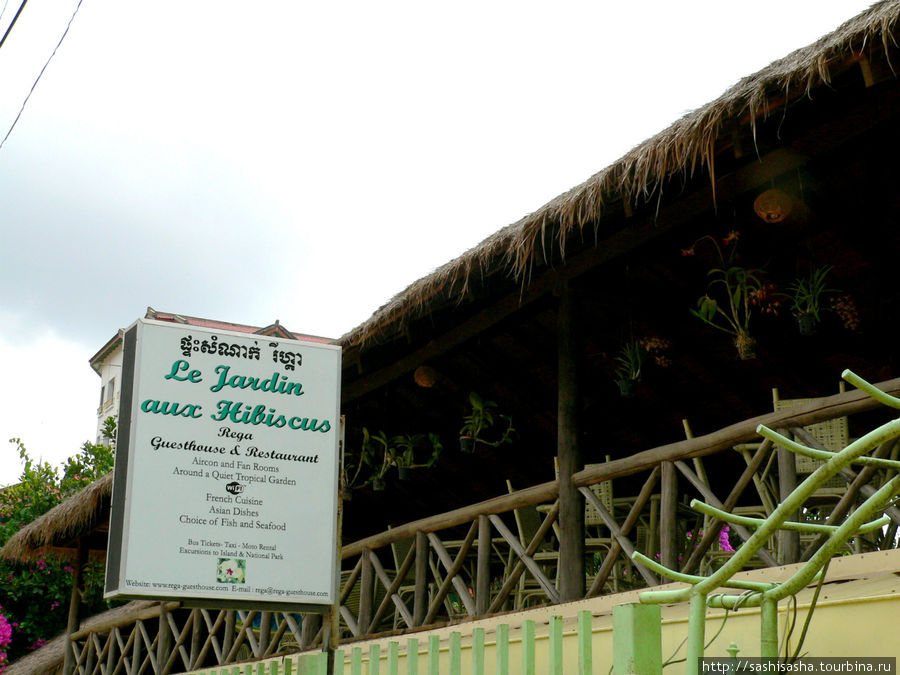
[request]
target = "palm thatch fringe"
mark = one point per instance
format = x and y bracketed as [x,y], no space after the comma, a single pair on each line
[63,523]
[686,147]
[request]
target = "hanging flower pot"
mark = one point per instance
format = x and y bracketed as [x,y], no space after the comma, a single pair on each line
[467,444]
[807,294]
[746,346]
[347,494]
[626,387]
[807,323]
[378,484]
[404,473]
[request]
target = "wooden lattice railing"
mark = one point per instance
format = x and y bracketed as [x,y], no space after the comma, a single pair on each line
[485,558]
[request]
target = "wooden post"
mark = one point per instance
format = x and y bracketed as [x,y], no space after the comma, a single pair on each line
[74,606]
[366,591]
[196,637]
[483,567]
[228,638]
[90,651]
[163,640]
[571,503]
[136,646]
[788,540]
[420,600]
[265,631]
[668,514]
[309,627]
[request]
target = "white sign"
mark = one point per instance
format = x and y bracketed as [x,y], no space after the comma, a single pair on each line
[226,471]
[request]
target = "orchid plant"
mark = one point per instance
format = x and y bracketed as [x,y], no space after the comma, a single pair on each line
[402,452]
[629,362]
[482,417]
[727,304]
[806,294]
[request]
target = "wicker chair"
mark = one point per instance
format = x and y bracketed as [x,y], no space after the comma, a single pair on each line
[833,435]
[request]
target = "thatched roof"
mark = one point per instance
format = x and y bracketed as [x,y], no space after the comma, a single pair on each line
[685,148]
[49,658]
[64,523]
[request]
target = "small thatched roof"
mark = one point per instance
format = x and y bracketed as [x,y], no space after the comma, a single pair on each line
[49,658]
[686,148]
[55,530]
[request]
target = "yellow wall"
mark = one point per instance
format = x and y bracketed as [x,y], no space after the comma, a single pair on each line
[855,616]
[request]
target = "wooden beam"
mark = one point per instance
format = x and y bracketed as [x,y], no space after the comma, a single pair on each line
[526,558]
[454,566]
[571,503]
[420,601]
[668,517]
[391,596]
[630,520]
[712,532]
[275,638]
[196,644]
[74,607]
[366,588]
[513,578]
[788,540]
[623,541]
[483,567]
[211,630]
[265,630]
[228,640]
[712,500]
[452,578]
[163,638]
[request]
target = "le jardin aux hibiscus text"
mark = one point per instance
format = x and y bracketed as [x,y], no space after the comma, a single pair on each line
[237,412]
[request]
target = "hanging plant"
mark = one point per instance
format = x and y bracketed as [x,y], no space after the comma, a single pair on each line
[352,469]
[403,449]
[728,304]
[628,374]
[379,458]
[806,294]
[480,419]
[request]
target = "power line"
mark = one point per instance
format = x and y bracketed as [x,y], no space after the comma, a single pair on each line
[13,22]
[38,79]
[3,11]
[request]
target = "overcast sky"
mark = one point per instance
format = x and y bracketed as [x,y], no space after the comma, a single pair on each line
[306,161]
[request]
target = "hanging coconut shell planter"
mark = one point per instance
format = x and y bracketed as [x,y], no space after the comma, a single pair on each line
[425,376]
[773,205]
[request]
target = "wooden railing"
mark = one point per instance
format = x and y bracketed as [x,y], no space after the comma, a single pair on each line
[485,558]
[168,639]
